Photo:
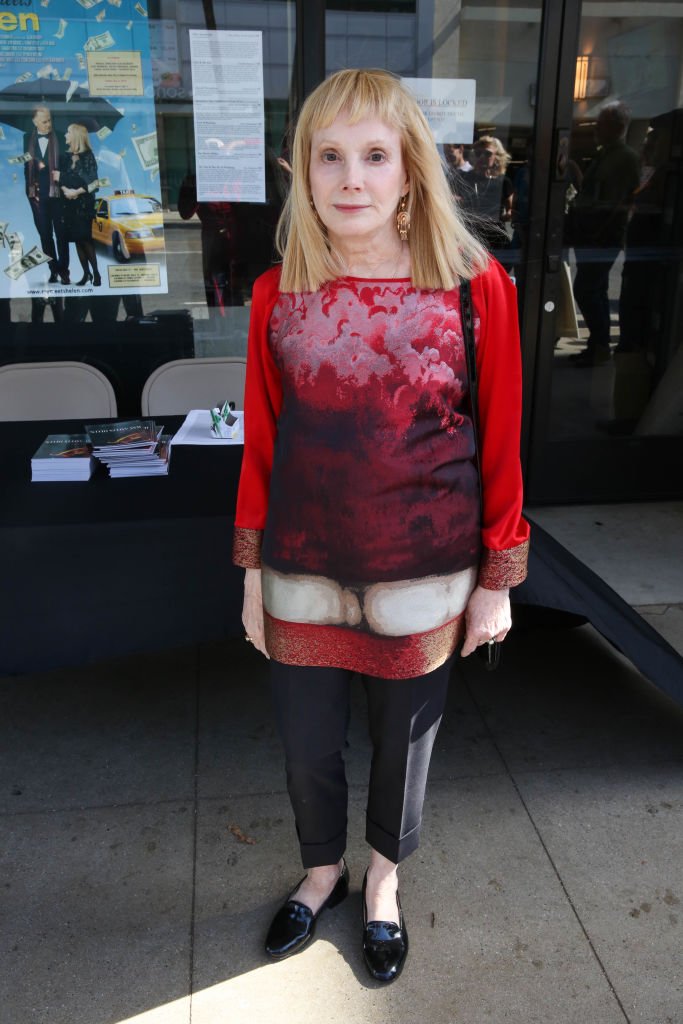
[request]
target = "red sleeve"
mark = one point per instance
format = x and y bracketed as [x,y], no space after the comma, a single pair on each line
[504,533]
[262,404]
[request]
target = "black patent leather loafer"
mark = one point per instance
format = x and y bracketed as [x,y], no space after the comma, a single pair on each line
[293,926]
[385,943]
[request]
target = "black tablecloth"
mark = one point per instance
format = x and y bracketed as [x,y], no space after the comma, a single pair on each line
[107,567]
[202,482]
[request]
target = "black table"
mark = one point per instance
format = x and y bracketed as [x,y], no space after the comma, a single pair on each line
[108,567]
[112,567]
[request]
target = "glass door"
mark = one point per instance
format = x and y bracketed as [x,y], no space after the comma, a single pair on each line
[607,420]
[438,46]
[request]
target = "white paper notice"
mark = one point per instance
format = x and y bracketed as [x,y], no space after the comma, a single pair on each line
[229,123]
[448,105]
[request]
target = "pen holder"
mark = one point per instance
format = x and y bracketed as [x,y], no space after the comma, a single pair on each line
[223,423]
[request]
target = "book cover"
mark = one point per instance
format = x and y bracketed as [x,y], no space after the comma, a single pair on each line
[64,446]
[126,434]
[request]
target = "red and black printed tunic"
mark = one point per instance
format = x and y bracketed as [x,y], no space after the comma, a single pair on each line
[358,497]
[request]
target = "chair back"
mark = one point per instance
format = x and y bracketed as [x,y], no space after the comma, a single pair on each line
[54,391]
[185,384]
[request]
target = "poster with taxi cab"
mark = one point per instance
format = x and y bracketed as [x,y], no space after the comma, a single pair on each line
[80,209]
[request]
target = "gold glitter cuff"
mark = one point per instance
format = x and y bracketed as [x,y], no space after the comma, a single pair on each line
[246,547]
[500,569]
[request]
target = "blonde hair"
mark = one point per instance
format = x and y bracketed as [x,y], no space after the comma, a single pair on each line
[442,250]
[502,157]
[80,140]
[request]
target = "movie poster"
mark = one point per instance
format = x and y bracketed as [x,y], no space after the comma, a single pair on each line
[80,202]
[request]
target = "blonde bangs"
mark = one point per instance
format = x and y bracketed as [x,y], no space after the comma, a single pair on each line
[80,135]
[442,250]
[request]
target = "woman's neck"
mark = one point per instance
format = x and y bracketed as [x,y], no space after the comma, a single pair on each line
[358,258]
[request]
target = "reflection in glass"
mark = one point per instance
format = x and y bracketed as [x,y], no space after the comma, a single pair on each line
[618,359]
[495,45]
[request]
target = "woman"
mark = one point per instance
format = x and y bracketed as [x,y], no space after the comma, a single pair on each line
[487,193]
[77,175]
[357,515]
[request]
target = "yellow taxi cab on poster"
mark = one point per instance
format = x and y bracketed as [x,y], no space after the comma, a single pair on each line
[130,223]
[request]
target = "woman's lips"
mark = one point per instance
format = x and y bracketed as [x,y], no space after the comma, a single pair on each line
[349,209]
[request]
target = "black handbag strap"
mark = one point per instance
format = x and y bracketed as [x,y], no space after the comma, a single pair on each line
[491,651]
[467,318]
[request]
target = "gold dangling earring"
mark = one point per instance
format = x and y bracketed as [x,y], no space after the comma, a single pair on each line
[403,219]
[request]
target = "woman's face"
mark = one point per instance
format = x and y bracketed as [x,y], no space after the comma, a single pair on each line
[485,160]
[357,178]
[69,136]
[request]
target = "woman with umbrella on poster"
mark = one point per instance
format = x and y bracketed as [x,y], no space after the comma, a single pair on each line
[78,183]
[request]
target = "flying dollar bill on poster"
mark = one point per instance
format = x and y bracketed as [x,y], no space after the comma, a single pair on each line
[98,183]
[84,63]
[146,149]
[16,245]
[33,258]
[103,41]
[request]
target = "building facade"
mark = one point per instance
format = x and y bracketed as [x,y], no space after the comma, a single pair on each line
[584,99]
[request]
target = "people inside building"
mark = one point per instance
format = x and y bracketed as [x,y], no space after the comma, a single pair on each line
[642,296]
[597,227]
[455,160]
[237,238]
[486,193]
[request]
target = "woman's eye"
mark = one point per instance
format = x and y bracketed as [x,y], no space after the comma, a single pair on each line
[377,157]
[329,156]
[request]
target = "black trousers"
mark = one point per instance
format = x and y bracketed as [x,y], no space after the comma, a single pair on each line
[591,287]
[48,218]
[312,713]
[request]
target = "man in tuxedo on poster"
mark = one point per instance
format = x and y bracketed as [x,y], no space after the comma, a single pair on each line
[42,191]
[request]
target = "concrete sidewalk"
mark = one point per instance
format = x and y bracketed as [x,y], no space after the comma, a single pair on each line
[147,840]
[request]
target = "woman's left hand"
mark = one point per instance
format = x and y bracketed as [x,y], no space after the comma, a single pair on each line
[487,617]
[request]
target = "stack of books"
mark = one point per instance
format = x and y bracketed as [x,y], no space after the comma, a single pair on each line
[63,457]
[131,448]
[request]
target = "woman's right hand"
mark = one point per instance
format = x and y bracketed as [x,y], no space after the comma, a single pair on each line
[252,610]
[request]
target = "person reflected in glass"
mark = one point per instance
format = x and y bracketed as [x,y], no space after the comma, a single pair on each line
[237,238]
[598,218]
[487,193]
[41,174]
[216,241]
[78,185]
[643,279]
[358,518]
[456,163]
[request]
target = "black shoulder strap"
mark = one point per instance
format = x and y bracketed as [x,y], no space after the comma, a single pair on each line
[491,651]
[467,318]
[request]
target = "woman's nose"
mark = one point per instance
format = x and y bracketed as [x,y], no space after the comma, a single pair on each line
[353,176]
